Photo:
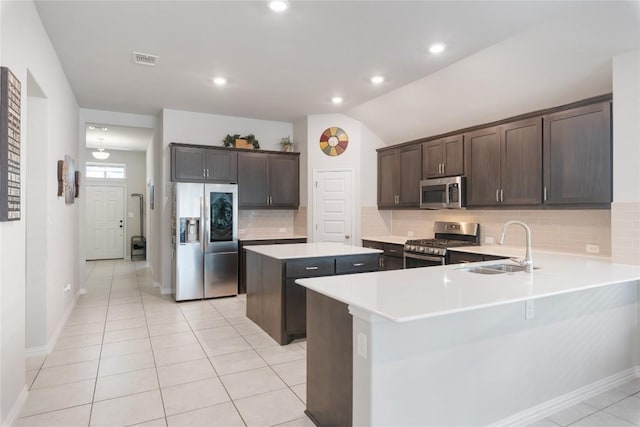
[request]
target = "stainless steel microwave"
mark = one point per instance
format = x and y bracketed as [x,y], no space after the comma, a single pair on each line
[443,193]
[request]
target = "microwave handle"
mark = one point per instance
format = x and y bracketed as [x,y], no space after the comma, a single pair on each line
[447,188]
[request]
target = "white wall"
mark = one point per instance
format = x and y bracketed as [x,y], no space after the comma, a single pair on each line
[203,129]
[153,224]
[301,145]
[27,48]
[135,162]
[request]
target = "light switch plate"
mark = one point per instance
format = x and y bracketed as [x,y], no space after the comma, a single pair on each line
[362,345]
[592,249]
[489,240]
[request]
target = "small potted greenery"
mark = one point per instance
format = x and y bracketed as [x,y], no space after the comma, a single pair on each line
[286,144]
[238,141]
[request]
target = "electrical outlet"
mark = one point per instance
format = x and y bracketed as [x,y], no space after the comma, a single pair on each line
[592,249]
[528,310]
[282,230]
[362,345]
[489,240]
[130,214]
[409,233]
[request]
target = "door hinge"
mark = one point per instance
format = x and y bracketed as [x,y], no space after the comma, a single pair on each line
[316,183]
[316,226]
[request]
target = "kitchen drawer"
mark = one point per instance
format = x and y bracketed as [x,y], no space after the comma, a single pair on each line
[310,267]
[357,263]
[393,250]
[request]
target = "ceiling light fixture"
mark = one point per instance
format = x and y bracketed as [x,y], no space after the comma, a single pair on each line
[376,80]
[337,100]
[220,81]
[436,48]
[101,154]
[279,5]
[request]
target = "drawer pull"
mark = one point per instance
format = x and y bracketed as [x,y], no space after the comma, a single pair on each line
[358,264]
[311,268]
[393,250]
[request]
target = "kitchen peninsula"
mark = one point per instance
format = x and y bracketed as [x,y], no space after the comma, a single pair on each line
[447,346]
[274,301]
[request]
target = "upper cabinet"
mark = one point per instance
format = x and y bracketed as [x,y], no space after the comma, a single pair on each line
[504,164]
[443,157]
[203,164]
[268,180]
[577,156]
[399,174]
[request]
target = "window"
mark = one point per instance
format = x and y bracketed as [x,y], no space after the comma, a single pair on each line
[106,170]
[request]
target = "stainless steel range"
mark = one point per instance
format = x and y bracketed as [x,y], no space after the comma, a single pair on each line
[430,252]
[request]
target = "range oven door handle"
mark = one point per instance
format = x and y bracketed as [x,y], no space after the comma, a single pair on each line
[439,259]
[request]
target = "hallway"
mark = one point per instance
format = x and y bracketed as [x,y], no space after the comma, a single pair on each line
[130,356]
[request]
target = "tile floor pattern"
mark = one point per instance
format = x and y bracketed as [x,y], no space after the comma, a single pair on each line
[130,356]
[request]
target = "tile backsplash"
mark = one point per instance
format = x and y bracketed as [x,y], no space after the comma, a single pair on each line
[265,222]
[625,236]
[557,230]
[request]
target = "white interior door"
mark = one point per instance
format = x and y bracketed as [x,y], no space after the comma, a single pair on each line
[333,206]
[105,222]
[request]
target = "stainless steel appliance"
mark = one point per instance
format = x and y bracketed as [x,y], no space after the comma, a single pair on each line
[431,252]
[205,237]
[443,193]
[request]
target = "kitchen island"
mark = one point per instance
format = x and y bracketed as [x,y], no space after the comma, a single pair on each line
[446,346]
[274,301]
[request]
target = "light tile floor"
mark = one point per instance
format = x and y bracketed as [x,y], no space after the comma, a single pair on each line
[130,356]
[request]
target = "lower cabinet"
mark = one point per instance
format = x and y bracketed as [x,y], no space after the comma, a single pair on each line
[242,255]
[393,256]
[277,304]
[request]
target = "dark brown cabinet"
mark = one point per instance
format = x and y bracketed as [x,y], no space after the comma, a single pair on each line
[455,257]
[392,257]
[577,156]
[268,180]
[242,256]
[504,164]
[399,174]
[276,303]
[203,164]
[443,157]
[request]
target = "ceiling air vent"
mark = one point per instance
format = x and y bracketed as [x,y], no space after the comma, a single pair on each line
[145,59]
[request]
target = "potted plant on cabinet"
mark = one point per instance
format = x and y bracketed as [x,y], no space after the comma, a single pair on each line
[237,141]
[286,144]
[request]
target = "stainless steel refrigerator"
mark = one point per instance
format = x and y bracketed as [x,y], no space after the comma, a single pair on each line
[205,237]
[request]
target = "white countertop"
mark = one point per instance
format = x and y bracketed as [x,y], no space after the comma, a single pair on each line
[310,250]
[275,236]
[515,251]
[396,240]
[419,293]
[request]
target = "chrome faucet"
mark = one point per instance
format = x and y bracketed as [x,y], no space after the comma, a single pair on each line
[527,261]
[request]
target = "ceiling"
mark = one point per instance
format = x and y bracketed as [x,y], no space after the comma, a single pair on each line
[279,66]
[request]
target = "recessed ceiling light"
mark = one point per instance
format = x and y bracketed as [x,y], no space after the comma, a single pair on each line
[337,100]
[92,127]
[278,5]
[104,129]
[436,48]
[220,81]
[376,80]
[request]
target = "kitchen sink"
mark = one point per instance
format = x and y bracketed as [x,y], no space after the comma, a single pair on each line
[495,269]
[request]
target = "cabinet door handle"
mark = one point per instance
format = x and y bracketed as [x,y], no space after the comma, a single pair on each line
[443,169]
[204,172]
[311,268]
[358,264]
[501,195]
[545,194]
[393,251]
[207,172]
[497,195]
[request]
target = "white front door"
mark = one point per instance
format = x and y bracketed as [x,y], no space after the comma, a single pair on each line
[333,206]
[105,222]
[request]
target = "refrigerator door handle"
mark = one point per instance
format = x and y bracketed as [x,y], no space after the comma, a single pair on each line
[202,225]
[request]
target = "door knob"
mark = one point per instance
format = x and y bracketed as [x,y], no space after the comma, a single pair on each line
[346,236]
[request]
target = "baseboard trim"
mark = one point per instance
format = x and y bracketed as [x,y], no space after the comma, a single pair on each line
[552,406]
[165,291]
[17,407]
[46,349]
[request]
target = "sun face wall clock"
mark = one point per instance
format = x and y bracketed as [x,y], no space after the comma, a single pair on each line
[334,141]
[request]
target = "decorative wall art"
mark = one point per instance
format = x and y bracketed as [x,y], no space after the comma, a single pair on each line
[334,141]
[67,179]
[9,146]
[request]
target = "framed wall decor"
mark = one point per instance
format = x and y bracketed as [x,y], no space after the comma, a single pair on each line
[334,141]
[9,146]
